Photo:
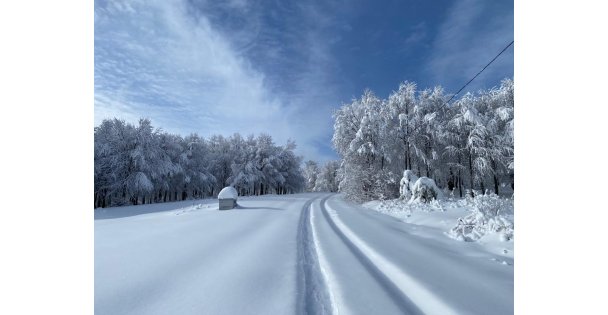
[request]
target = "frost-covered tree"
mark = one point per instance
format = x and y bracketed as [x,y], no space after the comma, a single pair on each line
[110,161]
[244,174]
[140,164]
[128,160]
[267,162]
[221,157]
[401,105]
[289,168]
[484,123]
[198,179]
[357,138]
[406,184]
[311,169]
[461,146]
[326,179]
[501,110]
[169,185]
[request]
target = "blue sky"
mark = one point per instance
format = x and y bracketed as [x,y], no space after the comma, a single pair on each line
[283,67]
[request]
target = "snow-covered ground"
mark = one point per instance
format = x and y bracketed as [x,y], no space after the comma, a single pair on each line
[489,220]
[291,254]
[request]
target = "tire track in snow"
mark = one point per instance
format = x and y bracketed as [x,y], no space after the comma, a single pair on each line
[406,292]
[313,294]
[335,295]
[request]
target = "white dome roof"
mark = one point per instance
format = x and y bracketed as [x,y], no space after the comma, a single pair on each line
[228,193]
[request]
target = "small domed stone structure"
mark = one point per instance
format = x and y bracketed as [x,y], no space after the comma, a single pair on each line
[227,198]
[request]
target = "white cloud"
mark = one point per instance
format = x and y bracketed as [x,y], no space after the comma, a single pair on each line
[161,60]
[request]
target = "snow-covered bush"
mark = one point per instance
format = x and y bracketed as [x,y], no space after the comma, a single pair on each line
[490,214]
[407,183]
[425,190]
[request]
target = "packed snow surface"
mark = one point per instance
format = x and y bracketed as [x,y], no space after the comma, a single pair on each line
[290,254]
[228,193]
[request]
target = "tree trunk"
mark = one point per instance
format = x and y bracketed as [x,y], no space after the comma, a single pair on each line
[513,182]
[471,173]
[460,183]
[409,159]
[494,176]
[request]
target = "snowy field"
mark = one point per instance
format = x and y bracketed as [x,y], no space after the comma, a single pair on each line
[295,254]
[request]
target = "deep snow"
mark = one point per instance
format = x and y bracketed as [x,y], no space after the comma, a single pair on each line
[492,232]
[302,254]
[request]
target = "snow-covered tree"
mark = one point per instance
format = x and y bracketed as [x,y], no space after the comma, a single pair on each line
[311,169]
[326,179]
[198,179]
[401,105]
[140,164]
[221,157]
[289,167]
[406,184]
[461,146]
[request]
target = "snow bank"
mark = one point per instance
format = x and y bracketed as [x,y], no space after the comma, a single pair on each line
[490,214]
[228,193]
[485,218]
[425,190]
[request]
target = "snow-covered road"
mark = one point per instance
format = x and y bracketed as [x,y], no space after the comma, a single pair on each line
[302,254]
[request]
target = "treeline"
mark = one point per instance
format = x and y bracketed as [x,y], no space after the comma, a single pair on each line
[464,146]
[321,178]
[141,164]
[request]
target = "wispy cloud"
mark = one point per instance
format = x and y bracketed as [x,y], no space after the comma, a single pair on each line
[173,62]
[417,34]
[471,35]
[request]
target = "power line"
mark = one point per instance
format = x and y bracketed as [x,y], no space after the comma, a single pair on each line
[478,73]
